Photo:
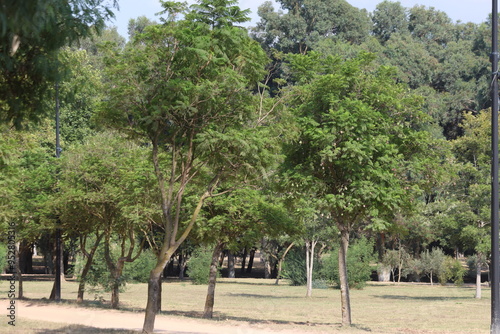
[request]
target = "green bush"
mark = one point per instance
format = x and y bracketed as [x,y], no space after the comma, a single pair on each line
[3,257]
[198,266]
[99,275]
[452,271]
[139,270]
[359,256]
[294,267]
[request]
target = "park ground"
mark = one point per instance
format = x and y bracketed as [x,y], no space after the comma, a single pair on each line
[253,306]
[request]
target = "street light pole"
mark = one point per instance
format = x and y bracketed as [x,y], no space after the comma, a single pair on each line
[495,253]
[57,283]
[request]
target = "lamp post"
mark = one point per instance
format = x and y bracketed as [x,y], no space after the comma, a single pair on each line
[495,253]
[57,283]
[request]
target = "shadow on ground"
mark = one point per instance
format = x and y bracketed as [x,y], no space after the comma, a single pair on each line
[77,329]
[426,298]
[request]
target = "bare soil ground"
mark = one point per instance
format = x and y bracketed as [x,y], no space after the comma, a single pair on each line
[114,319]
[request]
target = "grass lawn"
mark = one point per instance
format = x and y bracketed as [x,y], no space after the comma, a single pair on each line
[378,308]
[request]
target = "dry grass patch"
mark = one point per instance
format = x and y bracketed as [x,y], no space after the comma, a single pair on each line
[379,308]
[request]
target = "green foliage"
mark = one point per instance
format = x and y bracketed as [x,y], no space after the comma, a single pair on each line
[359,259]
[198,267]
[138,271]
[294,266]
[3,257]
[306,23]
[99,274]
[31,34]
[431,263]
[453,270]
[359,139]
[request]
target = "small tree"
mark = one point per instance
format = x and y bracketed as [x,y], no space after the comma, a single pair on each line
[432,263]
[359,259]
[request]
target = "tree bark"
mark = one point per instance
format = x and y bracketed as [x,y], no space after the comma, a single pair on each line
[20,293]
[115,292]
[81,285]
[88,265]
[250,261]
[244,260]
[310,245]
[61,265]
[230,265]
[344,285]
[280,263]
[158,302]
[212,280]
[152,304]
[478,278]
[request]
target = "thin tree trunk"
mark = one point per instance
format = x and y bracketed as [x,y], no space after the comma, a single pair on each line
[280,263]
[250,261]
[230,265]
[20,294]
[81,285]
[212,280]
[344,285]
[478,278]
[88,265]
[243,260]
[61,265]
[310,245]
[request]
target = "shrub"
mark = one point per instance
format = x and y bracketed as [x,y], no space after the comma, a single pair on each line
[3,257]
[359,257]
[198,266]
[138,271]
[452,271]
[432,263]
[294,267]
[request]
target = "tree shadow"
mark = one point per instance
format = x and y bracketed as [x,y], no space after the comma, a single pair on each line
[426,298]
[80,329]
[219,316]
[252,295]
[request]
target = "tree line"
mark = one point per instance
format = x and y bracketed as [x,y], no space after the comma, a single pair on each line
[323,126]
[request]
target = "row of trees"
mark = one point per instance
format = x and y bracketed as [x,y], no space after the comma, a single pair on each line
[322,125]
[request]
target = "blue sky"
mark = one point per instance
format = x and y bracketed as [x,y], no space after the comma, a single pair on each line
[464,10]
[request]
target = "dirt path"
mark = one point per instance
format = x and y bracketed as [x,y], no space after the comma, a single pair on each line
[133,321]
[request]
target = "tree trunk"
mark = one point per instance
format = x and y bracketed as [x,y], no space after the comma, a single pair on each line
[267,268]
[243,260]
[280,263]
[152,304]
[310,245]
[158,302]
[478,278]
[212,280]
[250,261]
[344,285]
[230,265]
[115,291]
[88,264]
[81,285]
[20,294]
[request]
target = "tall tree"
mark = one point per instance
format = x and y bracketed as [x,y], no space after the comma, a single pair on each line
[105,192]
[306,22]
[359,145]
[389,18]
[186,89]
[31,33]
